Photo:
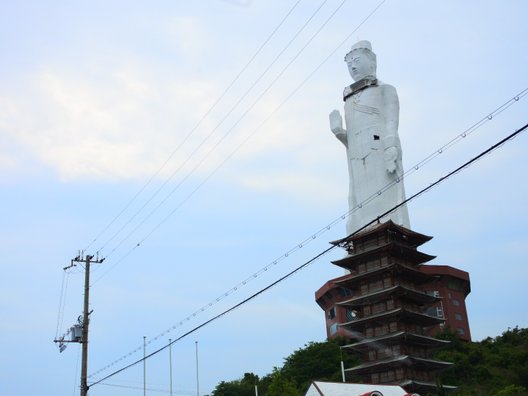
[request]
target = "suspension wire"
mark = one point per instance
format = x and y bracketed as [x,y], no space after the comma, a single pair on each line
[329,226]
[62,306]
[213,106]
[469,130]
[340,243]
[217,168]
[455,140]
[150,389]
[61,301]
[217,144]
[206,138]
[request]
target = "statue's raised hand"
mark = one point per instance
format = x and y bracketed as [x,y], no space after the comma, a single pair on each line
[336,122]
[336,125]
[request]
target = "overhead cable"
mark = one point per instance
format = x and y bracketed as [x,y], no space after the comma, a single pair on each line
[190,133]
[227,133]
[326,228]
[217,168]
[324,252]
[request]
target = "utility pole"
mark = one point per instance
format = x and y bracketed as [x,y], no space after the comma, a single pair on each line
[86,320]
[82,326]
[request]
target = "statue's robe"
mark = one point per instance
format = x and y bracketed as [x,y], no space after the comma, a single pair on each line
[371,116]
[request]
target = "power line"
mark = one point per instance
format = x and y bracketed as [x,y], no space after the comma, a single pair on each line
[190,133]
[341,242]
[217,168]
[330,225]
[150,389]
[61,304]
[226,134]
[462,135]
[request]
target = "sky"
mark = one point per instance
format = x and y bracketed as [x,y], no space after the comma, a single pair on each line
[188,144]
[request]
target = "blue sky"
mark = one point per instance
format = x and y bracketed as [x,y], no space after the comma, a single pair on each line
[94,98]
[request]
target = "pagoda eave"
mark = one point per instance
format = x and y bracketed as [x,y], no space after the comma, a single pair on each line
[398,290]
[398,361]
[395,268]
[393,248]
[394,338]
[413,238]
[423,386]
[401,313]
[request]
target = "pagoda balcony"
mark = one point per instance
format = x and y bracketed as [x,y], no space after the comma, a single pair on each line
[396,269]
[396,338]
[399,361]
[400,314]
[404,292]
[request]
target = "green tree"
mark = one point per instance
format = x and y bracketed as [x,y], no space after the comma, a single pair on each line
[488,367]
[494,366]
[281,386]
[317,361]
[241,387]
[512,390]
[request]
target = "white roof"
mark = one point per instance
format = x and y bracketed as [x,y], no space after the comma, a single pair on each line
[318,388]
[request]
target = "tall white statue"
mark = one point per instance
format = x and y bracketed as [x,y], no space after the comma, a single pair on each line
[371,139]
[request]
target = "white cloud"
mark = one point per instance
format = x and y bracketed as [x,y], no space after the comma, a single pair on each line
[114,126]
[186,34]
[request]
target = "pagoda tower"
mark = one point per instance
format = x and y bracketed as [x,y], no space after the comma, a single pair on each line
[385,310]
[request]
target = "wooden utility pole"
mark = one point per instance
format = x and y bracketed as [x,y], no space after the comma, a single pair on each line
[79,332]
[86,319]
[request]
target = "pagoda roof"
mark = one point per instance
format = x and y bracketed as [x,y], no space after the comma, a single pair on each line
[395,248]
[423,385]
[392,338]
[350,279]
[400,360]
[402,313]
[411,294]
[414,238]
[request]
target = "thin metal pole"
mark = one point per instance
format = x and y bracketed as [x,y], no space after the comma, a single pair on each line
[144,366]
[170,365]
[343,371]
[197,376]
[84,337]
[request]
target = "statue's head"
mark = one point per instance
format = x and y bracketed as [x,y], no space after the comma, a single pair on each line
[361,61]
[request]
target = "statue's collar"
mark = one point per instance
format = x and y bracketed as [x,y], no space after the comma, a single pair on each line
[359,85]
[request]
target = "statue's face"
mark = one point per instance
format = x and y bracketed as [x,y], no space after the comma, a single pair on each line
[360,66]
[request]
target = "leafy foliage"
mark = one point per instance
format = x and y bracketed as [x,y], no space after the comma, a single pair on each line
[242,387]
[494,366]
[281,386]
[315,361]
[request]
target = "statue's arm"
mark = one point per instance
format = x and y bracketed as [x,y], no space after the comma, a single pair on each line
[391,140]
[336,125]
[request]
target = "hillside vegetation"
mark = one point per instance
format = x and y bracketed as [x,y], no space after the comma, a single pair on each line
[494,366]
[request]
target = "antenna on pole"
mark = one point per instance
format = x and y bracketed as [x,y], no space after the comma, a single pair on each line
[197,376]
[144,366]
[170,365]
